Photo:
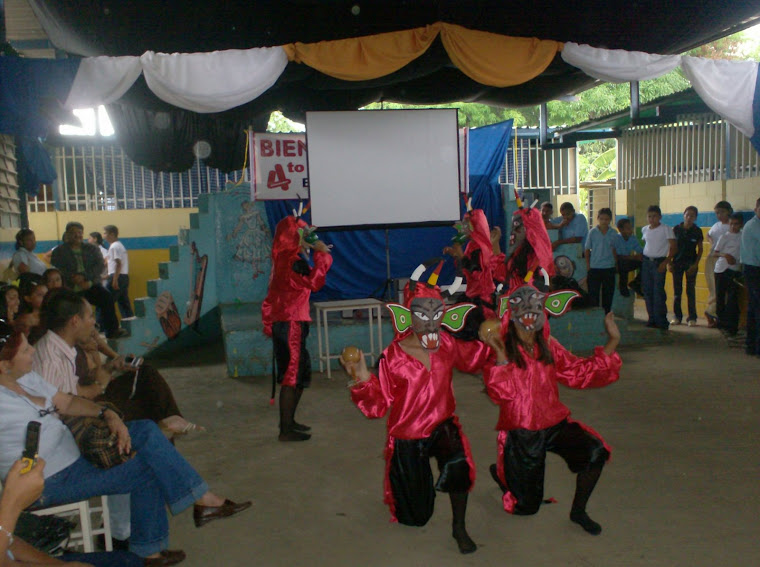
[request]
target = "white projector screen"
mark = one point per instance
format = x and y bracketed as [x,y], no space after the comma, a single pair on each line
[383,167]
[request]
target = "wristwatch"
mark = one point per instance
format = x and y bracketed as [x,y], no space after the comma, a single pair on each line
[103,410]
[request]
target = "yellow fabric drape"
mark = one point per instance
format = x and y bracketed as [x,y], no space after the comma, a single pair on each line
[488,58]
[497,60]
[363,58]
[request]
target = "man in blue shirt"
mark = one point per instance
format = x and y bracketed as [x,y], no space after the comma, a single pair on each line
[573,228]
[750,259]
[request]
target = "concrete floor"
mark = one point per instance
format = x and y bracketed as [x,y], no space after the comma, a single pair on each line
[682,487]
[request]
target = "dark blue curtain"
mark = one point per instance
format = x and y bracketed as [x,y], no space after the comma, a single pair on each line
[29,90]
[359,267]
[755,139]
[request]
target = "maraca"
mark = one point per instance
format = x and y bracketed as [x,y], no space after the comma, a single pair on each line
[351,354]
[489,327]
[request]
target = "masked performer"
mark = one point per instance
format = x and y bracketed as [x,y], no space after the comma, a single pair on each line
[285,314]
[532,420]
[529,247]
[477,262]
[414,387]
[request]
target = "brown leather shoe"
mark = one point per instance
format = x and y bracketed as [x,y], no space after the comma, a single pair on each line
[202,515]
[168,557]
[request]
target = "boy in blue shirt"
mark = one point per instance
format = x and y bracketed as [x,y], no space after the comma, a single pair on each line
[628,251]
[600,260]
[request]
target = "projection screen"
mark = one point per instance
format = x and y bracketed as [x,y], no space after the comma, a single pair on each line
[383,168]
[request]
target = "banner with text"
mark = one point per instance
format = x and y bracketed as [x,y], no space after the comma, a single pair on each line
[278,167]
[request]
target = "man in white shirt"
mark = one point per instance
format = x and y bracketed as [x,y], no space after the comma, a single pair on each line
[723,211]
[659,249]
[727,252]
[118,270]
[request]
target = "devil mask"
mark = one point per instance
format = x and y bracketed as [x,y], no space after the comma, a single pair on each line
[517,236]
[427,317]
[526,308]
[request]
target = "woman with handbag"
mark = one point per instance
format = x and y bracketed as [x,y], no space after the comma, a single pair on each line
[155,474]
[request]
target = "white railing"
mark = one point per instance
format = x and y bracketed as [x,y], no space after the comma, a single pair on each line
[98,178]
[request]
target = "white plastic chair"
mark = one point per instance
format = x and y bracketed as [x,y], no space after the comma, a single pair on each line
[85,534]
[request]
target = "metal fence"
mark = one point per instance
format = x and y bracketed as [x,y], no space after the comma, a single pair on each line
[527,166]
[103,178]
[697,148]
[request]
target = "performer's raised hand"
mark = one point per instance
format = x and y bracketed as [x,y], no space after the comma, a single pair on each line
[352,360]
[320,246]
[455,251]
[612,332]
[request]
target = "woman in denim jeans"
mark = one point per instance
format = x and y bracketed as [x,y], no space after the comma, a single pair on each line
[156,475]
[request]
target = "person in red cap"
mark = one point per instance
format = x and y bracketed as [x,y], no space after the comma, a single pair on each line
[532,420]
[285,314]
[413,386]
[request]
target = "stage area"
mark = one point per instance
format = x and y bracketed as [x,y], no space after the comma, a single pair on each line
[681,489]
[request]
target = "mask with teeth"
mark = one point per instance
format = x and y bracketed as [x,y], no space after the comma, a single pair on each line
[526,307]
[427,316]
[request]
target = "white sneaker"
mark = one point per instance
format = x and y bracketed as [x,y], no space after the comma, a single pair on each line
[691,323]
[675,322]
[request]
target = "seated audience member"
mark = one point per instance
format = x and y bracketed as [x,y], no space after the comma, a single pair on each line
[52,278]
[20,491]
[81,265]
[573,227]
[29,320]
[139,393]
[24,259]
[9,306]
[629,252]
[156,476]
[727,270]
[547,213]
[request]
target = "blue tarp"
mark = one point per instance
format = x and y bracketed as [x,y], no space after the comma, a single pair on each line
[359,268]
[26,85]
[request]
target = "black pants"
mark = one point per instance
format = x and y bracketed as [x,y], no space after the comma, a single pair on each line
[121,295]
[679,271]
[99,298]
[752,281]
[290,354]
[602,279]
[727,300]
[411,477]
[525,459]
[625,266]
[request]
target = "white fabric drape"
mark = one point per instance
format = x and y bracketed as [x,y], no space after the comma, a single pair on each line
[727,87]
[213,82]
[617,65]
[201,82]
[101,80]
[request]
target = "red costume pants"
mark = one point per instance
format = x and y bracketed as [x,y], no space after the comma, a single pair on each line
[290,354]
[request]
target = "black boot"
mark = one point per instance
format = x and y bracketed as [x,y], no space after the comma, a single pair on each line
[584,486]
[299,426]
[458,530]
[287,410]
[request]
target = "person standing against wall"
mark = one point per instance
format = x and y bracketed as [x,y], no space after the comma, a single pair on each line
[723,211]
[659,249]
[686,263]
[118,270]
[750,258]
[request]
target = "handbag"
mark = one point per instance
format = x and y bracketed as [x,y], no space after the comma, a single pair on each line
[48,534]
[95,440]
